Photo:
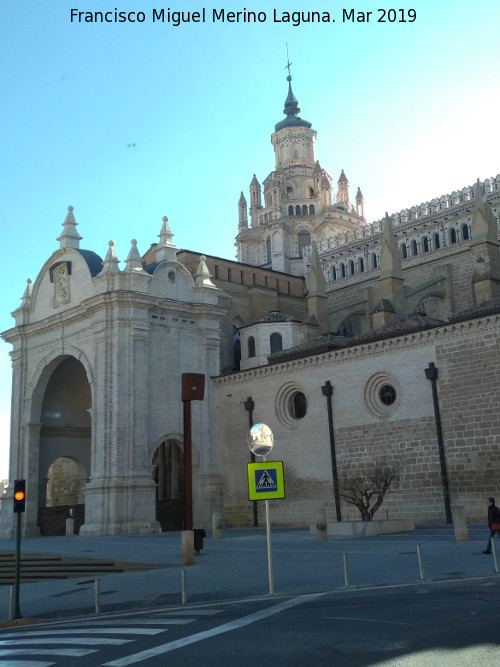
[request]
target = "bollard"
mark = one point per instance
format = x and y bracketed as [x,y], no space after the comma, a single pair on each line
[494,552]
[70,527]
[460,523]
[187,547]
[216,526]
[11,603]
[96,597]
[420,565]
[346,578]
[183,587]
[321,527]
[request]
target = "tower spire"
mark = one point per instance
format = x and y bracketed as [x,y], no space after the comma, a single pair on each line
[291,104]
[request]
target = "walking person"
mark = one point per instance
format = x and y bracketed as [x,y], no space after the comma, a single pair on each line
[493,518]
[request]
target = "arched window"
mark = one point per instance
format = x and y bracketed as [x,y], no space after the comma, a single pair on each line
[404,250]
[465,232]
[289,192]
[311,192]
[351,268]
[236,348]
[298,406]
[311,209]
[304,209]
[414,248]
[334,273]
[297,210]
[374,261]
[425,244]
[269,257]
[361,265]
[436,241]
[251,347]
[453,235]
[342,270]
[290,210]
[276,342]
[304,240]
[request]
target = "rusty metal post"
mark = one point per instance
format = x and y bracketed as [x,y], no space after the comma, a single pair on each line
[249,406]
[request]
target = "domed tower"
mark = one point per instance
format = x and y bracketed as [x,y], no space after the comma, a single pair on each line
[296,205]
[293,139]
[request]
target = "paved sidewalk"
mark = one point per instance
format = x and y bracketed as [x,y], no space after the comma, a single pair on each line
[236,566]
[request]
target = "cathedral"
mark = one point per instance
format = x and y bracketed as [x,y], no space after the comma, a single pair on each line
[354,342]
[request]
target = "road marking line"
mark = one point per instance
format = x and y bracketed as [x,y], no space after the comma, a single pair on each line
[207,634]
[140,621]
[97,641]
[71,652]
[25,663]
[88,631]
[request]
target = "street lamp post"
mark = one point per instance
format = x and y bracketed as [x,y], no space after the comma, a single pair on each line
[431,373]
[327,390]
[249,406]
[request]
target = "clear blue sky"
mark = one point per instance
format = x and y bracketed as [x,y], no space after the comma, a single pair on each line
[410,111]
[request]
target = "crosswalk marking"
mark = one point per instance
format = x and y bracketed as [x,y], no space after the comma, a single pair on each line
[88,631]
[90,641]
[142,621]
[208,634]
[66,652]
[61,643]
[25,663]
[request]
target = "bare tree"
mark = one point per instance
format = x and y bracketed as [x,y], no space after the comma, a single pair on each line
[366,490]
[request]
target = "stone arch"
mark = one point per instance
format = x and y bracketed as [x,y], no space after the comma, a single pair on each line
[60,440]
[251,347]
[41,376]
[237,324]
[276,342]
[64,482]
[303,240]
[168,475]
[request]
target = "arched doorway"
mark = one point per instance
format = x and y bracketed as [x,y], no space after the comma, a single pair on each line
[64,455]
[168,475]
[63,483]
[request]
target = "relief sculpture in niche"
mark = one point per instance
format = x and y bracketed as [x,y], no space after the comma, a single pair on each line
[61,285]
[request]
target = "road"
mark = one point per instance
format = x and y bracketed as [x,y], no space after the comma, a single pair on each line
[433,624]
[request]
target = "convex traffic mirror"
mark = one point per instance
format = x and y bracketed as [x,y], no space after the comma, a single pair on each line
[260,439]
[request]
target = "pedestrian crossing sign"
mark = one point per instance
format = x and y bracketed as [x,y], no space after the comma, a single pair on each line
[266,480]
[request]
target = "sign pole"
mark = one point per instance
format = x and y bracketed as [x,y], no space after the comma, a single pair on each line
[270,484]
[17,611]
[269,552]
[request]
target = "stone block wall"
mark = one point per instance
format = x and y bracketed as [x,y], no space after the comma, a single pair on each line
[467,356]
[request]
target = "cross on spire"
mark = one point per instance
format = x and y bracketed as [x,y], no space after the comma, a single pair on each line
[288,63]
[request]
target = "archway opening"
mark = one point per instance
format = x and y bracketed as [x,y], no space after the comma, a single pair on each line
[168,475]
[65,451]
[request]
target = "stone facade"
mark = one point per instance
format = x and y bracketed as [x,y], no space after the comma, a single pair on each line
[98,354]
[365,430]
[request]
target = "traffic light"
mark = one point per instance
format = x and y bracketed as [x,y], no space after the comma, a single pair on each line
[19,495]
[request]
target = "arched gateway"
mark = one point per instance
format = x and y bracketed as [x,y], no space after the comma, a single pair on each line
[98,353]
[64,458]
